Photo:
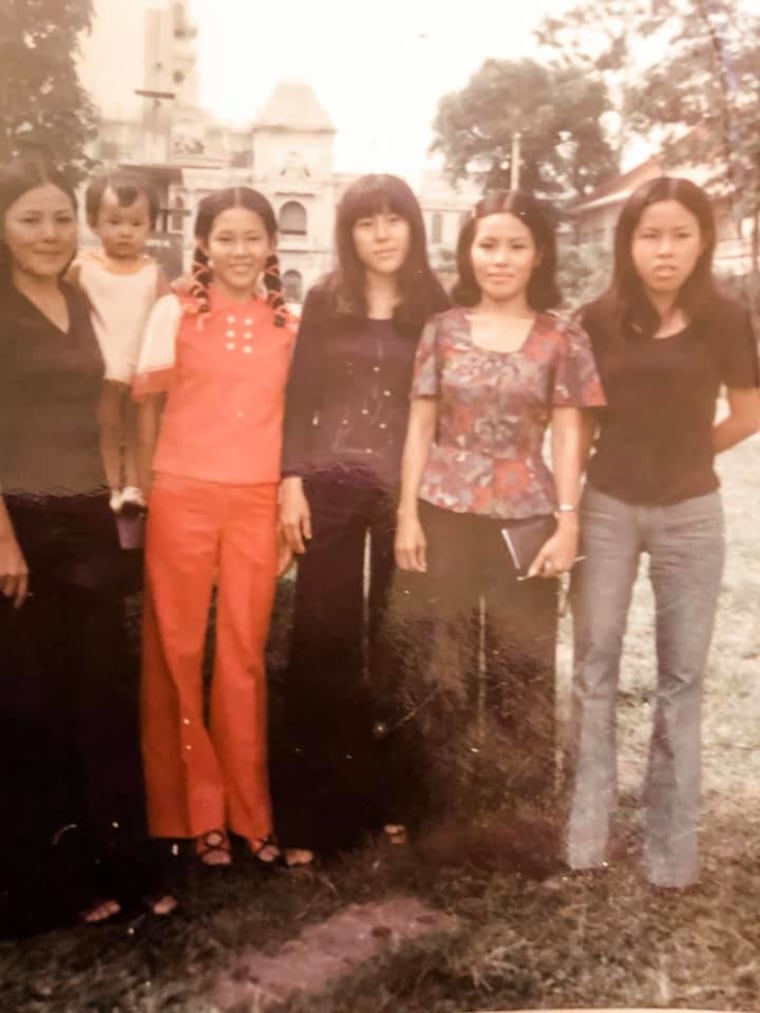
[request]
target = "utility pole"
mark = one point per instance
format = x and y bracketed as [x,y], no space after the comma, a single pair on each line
[514,163]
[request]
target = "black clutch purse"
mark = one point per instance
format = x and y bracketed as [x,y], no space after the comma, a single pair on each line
[525,537]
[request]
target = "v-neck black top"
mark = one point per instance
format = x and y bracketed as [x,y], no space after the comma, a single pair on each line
[655,439]
[49,388]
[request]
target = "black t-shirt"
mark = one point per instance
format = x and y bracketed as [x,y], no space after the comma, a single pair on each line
[49,387]
[655,438]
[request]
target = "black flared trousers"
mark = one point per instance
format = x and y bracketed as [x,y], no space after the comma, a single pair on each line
[477,689]
[331,761]
[69,747]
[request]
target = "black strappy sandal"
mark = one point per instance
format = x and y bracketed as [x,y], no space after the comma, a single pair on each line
[213,849]
[268,852]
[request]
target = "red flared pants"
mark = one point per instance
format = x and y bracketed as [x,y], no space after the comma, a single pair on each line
[202,776]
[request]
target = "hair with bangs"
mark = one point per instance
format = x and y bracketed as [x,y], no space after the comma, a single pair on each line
[542,292]
[625,301]
[209,209]
[421,292]
[19,177]
[128,187]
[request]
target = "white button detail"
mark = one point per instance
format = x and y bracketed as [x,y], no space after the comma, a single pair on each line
[230,334]
[231,320]
[375,369]
[365,411]
[185,721]
[230,346]
[383,425]
[247,335]
[386,393]
[248,321]
[248,349]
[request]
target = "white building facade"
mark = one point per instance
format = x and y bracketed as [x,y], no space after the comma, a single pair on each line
[151,123]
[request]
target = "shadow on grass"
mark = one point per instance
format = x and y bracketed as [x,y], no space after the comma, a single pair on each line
[531,936]
[524,942]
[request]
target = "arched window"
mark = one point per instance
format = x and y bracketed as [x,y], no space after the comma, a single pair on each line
[292,286]
[436,227]
[293,219]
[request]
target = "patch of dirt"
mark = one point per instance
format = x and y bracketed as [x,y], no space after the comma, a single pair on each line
[324,952]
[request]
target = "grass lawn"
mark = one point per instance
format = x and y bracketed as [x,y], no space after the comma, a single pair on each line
[558,942]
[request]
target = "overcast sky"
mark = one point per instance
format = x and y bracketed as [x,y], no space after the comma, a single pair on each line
[378,68]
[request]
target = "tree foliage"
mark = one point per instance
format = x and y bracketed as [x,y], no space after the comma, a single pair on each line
[556,112]
[685,74]
[43,108]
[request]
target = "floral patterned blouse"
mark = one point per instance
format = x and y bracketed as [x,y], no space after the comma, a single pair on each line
[493,411]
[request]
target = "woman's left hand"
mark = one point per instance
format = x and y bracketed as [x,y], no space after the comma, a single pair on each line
[558,553]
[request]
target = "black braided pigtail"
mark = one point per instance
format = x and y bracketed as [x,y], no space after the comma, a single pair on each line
[273,285]
[200,281]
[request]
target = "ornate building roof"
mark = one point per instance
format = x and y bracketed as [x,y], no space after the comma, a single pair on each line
[294,106]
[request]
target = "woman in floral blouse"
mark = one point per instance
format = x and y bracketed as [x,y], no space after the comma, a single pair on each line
[490,375]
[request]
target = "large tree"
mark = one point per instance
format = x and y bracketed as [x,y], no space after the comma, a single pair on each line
[43,108]
[556,112]
[686,75]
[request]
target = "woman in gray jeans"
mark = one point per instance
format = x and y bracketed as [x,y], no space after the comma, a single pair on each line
[665,341]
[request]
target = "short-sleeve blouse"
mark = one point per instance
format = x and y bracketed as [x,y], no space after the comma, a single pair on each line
[225,391]
[493,410]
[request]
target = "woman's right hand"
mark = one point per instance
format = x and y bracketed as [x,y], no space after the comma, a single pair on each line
[295,516]
[14,573]
[410,545]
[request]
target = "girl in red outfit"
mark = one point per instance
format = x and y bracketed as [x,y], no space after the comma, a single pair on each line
[220,357]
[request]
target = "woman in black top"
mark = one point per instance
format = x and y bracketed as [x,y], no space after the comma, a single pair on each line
[346,412]
[67,689]
[665,341]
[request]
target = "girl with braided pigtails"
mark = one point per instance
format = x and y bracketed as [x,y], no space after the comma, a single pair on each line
[219,356]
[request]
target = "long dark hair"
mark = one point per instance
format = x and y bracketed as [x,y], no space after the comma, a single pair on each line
[208,210]
[17,178]
[625,302]
[420,291]
[542,292]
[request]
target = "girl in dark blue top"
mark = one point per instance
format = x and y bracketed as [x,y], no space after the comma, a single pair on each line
[345,420]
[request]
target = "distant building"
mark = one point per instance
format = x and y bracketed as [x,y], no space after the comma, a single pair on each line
[595,218]
[151,123]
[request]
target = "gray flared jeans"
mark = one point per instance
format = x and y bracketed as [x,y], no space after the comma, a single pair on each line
[685,545]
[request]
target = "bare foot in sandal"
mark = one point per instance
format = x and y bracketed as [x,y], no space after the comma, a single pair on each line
[162,905]
[269,853]
[396,833]
[213,848]
[297,858]
[100,911]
